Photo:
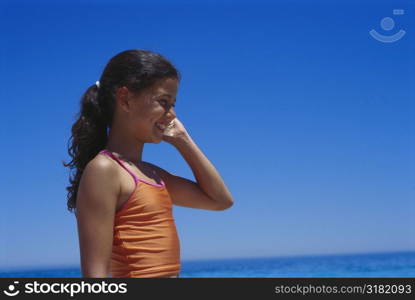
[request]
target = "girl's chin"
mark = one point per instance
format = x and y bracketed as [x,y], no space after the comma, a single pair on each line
[158,134]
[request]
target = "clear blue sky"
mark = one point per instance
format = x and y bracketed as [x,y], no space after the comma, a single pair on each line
[309,120]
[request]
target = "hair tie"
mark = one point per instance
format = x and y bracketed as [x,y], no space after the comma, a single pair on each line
[97,84]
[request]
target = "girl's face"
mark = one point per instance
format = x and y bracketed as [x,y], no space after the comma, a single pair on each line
[153,106]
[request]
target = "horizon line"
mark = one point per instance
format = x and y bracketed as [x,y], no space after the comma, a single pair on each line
[57,266]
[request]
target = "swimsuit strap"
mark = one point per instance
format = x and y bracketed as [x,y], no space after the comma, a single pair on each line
[121,163]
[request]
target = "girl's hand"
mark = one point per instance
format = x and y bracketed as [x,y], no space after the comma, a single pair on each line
[175,132]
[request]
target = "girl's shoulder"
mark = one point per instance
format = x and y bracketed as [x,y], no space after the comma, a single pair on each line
[103,164]
[159,171]
[152,167]
[99,185]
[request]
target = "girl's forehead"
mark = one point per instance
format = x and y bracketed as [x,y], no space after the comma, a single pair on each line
[166,86]
[167,89]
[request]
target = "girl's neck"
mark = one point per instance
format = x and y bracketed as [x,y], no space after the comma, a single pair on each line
[129,154]
[127,147]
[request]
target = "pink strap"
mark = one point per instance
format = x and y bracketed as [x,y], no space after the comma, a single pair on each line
[120,162]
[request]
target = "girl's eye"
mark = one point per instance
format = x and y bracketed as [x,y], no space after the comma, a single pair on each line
[166,102]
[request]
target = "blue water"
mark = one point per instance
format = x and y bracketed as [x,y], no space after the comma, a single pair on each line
[398,264]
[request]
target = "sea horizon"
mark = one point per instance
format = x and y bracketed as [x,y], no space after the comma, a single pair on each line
[365,264]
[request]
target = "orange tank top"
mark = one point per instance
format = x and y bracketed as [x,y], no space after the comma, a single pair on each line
[145,240]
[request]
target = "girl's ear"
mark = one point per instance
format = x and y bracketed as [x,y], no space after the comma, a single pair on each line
[122,97]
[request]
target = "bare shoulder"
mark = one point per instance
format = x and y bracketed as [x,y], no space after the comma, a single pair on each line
[101,168]
[185,192]
[103,161]
[165,175]
[100,184]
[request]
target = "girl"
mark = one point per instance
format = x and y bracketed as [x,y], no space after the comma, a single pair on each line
[123,205]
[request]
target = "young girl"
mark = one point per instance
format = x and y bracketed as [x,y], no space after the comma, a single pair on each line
[123,205]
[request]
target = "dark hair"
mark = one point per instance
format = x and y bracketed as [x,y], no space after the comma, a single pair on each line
[137,70]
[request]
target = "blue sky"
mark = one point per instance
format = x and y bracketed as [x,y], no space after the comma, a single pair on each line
[308,119]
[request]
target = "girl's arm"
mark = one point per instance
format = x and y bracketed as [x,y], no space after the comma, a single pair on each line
[95,210]
[209,192]
[207,177]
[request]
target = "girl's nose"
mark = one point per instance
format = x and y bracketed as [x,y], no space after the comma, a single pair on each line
[171,112]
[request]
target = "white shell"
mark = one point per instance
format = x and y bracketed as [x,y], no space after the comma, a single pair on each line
[168,131]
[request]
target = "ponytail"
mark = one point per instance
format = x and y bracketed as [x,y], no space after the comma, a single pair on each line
[89,136]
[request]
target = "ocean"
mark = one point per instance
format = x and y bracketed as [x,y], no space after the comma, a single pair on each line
[396,264]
